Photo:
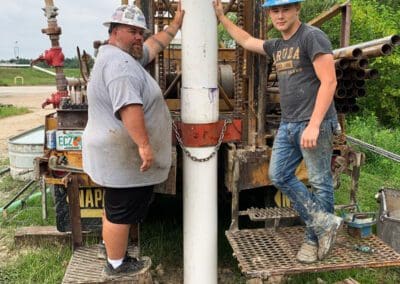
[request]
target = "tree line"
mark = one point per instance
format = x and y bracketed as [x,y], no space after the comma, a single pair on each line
[68,62]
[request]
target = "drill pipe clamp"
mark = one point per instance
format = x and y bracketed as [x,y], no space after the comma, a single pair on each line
[206,135]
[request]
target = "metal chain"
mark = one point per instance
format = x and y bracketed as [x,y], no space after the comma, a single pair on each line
[239,74]
[194,158]
[161,69]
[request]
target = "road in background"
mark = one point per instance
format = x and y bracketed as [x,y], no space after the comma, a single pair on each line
[31,97]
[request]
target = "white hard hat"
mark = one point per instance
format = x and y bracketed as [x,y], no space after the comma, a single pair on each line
[128,15]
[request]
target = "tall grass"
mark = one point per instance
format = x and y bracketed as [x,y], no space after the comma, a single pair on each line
[377,171]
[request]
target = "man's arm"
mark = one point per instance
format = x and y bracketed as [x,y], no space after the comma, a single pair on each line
[156,43]
[132,117]
[240,36]
[324,67]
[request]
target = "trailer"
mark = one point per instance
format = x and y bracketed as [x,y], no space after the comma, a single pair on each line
[249,116]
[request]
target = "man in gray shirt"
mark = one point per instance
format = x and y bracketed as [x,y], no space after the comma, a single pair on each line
[127,140]
[307,82]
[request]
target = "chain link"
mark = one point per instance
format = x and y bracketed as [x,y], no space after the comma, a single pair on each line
[194,158]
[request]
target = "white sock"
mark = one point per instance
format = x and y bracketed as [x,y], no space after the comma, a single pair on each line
[115,262]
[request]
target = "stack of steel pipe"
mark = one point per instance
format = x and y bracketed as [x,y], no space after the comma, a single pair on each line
[352,70]
[351,64]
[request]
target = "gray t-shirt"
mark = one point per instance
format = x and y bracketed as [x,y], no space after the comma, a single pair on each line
[298,83]
[110,157]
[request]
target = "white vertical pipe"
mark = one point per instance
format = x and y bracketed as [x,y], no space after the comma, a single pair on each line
[199,105]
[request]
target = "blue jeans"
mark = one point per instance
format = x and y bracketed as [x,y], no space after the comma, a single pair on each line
[286,157]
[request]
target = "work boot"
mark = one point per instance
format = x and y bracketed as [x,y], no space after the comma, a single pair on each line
[130,266]
[327,238]
[308,253]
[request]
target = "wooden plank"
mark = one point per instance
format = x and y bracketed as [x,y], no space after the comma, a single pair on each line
[75,211]
[39,235]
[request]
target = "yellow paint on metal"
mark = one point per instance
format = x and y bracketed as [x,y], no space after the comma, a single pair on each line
[91,213]
[74,158]
[259,175]
[51,122]
[281,200]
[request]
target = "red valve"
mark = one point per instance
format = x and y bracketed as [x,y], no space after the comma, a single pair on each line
[53,57]
[55,99]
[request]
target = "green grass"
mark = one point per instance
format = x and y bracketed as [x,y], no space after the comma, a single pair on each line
[364,276]
[76,73]
[9,187]
[4,163]
[42,265]
[31,76]
[10,110]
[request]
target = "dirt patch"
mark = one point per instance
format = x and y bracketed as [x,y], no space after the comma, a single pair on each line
[30,97]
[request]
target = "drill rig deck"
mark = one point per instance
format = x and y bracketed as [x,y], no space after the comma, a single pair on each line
[249,118]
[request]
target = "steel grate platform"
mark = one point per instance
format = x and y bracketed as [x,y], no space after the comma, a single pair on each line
[85,267]
[264,214]
[264,253]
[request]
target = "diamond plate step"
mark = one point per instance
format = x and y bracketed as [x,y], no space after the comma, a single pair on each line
[85,267]
[264,253]
[272,213]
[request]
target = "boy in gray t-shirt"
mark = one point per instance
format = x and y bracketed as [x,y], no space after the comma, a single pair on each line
[307,82]
[298,82]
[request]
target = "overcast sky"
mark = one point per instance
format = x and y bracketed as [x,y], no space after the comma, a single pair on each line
[81,21]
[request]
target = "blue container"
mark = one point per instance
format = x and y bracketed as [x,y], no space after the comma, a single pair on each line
[51,139]
[359,225]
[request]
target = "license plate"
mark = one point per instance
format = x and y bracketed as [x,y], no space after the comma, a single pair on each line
[69,140]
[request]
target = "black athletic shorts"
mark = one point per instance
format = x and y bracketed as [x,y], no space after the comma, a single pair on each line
[127,205]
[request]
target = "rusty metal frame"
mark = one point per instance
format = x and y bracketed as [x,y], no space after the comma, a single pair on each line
[266,253]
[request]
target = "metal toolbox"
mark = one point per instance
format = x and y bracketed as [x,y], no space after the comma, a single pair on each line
[388,225]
